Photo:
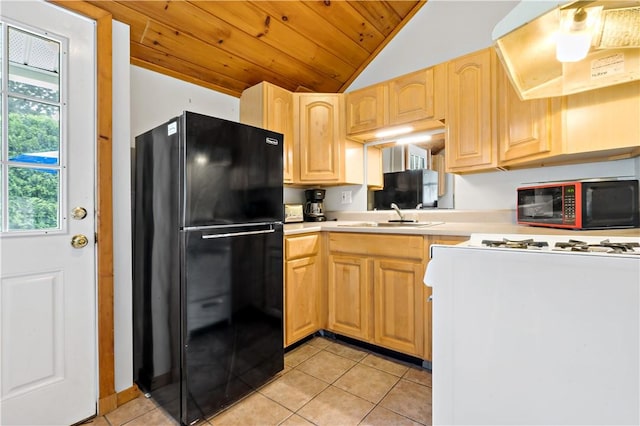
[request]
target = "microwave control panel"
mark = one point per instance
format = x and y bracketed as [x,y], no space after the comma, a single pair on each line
[569,207]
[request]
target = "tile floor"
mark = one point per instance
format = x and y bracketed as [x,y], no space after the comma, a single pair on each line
[325,382]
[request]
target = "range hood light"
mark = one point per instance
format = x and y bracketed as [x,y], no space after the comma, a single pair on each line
[394,132]
[531,43]
[574,38]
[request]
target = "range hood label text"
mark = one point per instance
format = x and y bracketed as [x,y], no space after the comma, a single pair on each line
[607,66]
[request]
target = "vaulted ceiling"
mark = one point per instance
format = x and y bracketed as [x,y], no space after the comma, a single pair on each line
[227,46]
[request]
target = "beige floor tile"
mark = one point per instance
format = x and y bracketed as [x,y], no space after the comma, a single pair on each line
[319,342]
[130,411]
[97,421]
[380,416]
[346,351]
[255,409]
[155,417]
[367,382]
[326,366]
[335,407]
[418,375]
[299,354]
[381,363]
[410,400]
[296,420]
[294,389]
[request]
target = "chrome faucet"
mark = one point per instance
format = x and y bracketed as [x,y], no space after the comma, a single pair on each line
[397,209]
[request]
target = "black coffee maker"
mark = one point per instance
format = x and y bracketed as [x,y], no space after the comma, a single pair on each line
[313,208]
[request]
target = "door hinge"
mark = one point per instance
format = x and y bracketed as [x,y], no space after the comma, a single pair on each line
[95,238]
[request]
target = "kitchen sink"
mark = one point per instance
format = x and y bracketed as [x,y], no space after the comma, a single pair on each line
[390,224]
[405,224]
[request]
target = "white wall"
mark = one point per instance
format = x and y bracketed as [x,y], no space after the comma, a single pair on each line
[156,98]
[122,321]
[485,191]
[442,30]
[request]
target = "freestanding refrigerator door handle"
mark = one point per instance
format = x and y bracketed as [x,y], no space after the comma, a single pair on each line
[237,234]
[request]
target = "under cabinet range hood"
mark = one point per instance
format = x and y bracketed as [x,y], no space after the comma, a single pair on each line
[530,39]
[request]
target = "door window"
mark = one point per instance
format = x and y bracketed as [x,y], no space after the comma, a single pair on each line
[31,112]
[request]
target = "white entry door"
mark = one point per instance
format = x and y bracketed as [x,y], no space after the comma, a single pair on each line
[47,271]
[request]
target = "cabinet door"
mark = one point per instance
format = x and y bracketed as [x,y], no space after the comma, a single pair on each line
[471,143]
[271,107]
[302,298]
[374,168]
[365,109]
[411,97]
[348,296]
[279,118]
[320,137]
[524,126]
[398,305]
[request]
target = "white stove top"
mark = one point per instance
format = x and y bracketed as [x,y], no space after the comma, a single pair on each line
[567,244]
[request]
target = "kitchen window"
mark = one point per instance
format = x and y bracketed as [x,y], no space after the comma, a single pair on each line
[31,112]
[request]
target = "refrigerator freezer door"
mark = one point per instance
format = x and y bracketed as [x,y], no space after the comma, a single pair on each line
[233,172]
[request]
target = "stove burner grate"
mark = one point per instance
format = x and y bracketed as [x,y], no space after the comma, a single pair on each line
[605,246]
[517,244]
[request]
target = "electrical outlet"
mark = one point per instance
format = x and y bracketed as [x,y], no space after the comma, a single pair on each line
[346,197]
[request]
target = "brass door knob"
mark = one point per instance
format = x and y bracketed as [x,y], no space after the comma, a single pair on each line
[79,213]
[79,241]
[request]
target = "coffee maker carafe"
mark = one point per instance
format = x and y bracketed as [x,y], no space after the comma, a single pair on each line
[313,208]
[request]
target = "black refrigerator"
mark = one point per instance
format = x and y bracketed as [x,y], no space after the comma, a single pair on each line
[207,267]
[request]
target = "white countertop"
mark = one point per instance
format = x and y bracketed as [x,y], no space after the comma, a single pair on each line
[448,228]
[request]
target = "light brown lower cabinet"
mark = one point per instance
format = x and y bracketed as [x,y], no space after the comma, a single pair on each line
[303,296]
[398,305]
[375,289]
[349,295]
[370,288]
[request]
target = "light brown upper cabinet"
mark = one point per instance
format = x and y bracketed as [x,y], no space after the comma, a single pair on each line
[271,107]
[316,150]
[471,136]
[489,127]
[320,140]
[374,168]
[417,99]
[324,154]
[527,130]
[417,96]
[366,109]
[596,125]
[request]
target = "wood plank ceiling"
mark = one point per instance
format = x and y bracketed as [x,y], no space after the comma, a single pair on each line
[318,46]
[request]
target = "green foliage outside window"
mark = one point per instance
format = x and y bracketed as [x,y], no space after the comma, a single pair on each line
[33,193]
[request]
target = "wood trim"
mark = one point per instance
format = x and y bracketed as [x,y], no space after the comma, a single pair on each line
[128,394]
[107,398]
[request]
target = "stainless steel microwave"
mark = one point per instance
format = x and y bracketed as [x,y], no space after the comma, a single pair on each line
[580,204]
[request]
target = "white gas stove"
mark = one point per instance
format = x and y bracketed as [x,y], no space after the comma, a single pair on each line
[536,329]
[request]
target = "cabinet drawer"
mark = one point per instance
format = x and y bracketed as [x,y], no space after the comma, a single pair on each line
[400,246]
[301,246]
